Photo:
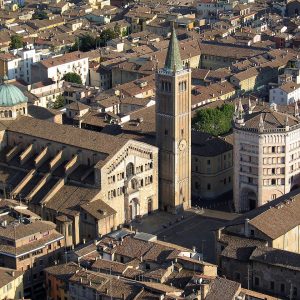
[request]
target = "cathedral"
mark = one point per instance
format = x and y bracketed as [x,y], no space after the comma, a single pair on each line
[91,183]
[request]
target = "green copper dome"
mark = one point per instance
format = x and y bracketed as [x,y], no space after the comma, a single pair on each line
[10,95]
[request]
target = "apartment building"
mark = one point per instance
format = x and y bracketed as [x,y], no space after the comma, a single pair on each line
[260,249]
[211,8]
[11,284]
[285,94]
[16,64]
[57,66]
[28,245]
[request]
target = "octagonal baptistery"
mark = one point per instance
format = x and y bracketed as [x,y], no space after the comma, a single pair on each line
[13,102]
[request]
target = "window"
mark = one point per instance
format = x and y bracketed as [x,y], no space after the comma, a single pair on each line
[273,196]
[208,162]
[256,281]
[272,285]
[252,232]
[197,185]
[273,149]
[237,276]
[208,186]
[9,286]
[166,132]
[282,288]
[70,229]
[273,182]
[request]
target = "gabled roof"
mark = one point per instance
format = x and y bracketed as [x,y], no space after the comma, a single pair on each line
[285,208]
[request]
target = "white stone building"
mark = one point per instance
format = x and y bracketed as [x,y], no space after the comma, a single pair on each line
[17,63]
[266,155]
[56,67]
[285,94]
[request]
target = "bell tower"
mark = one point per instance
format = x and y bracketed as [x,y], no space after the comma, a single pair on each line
[173,130]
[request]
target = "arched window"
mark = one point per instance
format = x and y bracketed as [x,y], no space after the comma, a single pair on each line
[129,170]
[10,113]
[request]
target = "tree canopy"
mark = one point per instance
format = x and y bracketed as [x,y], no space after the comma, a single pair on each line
[73,77]
[39,15]
[109,34]
[215,121]
[86,43]
[89,42]
[59,102]
[16,42]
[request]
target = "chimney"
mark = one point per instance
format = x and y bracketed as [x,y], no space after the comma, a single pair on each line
[246,227]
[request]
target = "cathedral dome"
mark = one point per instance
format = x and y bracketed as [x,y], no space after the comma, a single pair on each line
[10,95]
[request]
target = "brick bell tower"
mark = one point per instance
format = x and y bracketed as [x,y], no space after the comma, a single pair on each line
[173,130]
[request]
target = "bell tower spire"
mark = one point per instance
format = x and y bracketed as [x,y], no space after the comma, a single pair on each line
[173,60]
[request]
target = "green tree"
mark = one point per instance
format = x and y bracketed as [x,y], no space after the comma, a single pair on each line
[16,42]
[107,35]
[59,102]
[39,15]
[73,77]
[117,29]
[215,121]
[85,43]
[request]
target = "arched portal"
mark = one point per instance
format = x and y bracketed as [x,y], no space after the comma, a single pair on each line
[134,208]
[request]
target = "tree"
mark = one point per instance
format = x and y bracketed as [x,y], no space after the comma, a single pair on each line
[85,43]
[73,77]
[117,29]
[16,42]
[215,121]
[39,15]
[59,102]
[107,35]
